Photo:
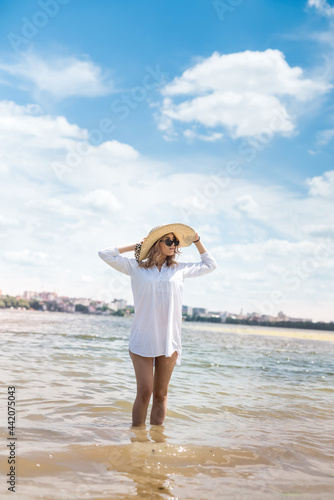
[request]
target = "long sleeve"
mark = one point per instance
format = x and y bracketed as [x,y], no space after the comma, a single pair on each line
[194,269]
[113,258]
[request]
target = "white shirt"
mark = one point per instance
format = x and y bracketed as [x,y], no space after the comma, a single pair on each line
[157,295]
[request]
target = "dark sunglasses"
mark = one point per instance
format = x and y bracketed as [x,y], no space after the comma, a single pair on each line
[170,242]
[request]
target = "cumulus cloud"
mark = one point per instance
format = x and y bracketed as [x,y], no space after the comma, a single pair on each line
[60,77]
[77,207]
[322,6]
[118,149]
[321,230]
[248,206]
[49,147]
[102,200]
[27,257]
[322,185]
[29,126]
[246,93]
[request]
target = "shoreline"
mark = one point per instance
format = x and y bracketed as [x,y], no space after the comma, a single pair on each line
[267,331]
[262,330]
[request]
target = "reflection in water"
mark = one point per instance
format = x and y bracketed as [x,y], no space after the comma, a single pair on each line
[143,462]
[153,465]
[153,433]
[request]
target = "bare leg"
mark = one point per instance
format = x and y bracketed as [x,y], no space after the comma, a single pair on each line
[144,374]
[163,371]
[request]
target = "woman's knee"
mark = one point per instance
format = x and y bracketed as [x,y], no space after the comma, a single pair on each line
[160,394]
[144,393]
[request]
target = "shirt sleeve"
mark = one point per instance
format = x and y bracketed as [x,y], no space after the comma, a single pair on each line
[113,258]
[194,269]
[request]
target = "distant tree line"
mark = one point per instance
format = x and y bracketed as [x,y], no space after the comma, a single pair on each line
[279,324]
[195,317]
[52,305]
[9,301]
[307,325]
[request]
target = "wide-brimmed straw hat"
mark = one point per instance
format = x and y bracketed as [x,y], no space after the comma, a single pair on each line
[185,234]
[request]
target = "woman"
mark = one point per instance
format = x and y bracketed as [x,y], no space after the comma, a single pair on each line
[157,286]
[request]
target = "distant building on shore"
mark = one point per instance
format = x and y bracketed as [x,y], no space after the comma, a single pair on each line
[29,295]
[118,304]
[200,311]
[187,310]
[69,304]
[282,317]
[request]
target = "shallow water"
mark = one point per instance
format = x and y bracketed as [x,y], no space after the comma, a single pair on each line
[250,416]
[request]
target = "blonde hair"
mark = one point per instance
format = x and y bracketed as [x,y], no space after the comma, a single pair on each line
[153,255]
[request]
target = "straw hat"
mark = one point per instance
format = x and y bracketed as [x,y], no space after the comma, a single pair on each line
[185,234]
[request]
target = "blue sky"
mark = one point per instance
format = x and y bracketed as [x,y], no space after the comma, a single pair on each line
[119,116]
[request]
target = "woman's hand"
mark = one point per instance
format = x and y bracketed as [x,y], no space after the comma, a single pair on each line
[199,245]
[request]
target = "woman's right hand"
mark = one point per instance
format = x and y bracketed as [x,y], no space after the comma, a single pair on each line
[141,242]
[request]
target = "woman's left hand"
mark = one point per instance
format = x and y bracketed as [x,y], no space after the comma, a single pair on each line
[195,237]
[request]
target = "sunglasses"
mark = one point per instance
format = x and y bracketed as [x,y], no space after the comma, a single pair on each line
[170,242]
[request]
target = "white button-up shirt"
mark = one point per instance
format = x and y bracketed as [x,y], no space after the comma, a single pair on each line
[157,295]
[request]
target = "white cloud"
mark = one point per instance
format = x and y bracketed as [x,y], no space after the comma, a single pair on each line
[8,221]
[321,230]
[247,205]
[324,137]
[28,126]
[272,248]
[86,278]
[77,207]
[102,200]
[60,77]
[56,206]
[322,6]
[3,167]
[246,92]
[213,136]
[322,185]
[27,257]
[117,149]
[40,146]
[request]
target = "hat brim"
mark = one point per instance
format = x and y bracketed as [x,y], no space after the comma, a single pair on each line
[185,234]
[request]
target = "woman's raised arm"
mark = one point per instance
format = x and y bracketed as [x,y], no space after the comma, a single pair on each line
[129,248]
